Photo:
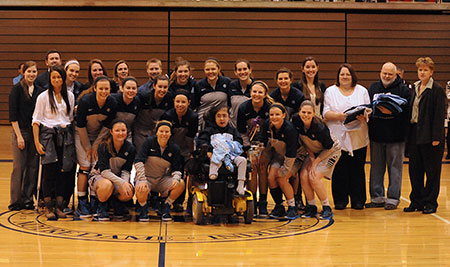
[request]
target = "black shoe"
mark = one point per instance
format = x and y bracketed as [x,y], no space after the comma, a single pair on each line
[178,207]
[28,206]
[262,207]
[374,205]
[359,206]
[300,205]
[120,209]
[340,206]
[310,212]
[165,212]
[411,208]
[14,207]
[93,205]
[142,212]
[102,212]
[278,212]
[428,211]
[389,206]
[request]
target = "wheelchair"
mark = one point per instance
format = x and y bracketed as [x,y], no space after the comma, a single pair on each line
[216,197]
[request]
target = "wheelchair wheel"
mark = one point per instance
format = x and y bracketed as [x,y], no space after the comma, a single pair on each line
[248,214]
[197,211]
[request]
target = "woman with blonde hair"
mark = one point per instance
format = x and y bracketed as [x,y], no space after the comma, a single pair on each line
[426,139]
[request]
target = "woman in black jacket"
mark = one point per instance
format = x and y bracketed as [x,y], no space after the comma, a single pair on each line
[426,139]
[22,100]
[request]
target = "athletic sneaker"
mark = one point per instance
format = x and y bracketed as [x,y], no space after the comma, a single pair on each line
[155,204]
[178,207]
[120,209]
[102,211]
[326,213]
[165,212]
[262,207]
[94,205]
[67,211]
[310,212]
[278,212]
[143,212]
[83,208]
[292,213]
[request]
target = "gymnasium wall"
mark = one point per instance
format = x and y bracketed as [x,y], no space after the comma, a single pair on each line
[269,40]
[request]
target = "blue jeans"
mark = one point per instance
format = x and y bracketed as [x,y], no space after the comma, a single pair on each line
[382,155]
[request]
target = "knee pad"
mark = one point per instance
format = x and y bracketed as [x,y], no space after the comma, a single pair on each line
[80,171]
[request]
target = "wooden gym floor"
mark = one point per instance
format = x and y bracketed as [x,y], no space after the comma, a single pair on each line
[368,237]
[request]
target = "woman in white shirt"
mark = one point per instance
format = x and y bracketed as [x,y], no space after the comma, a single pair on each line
[348,178]
[53,138]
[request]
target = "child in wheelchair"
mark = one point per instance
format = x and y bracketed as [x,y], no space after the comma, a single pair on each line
[224,146]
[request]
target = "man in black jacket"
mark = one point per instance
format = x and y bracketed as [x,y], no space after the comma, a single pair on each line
[387,133]
[52,58]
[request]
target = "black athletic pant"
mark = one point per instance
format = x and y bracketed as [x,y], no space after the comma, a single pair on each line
[349,178]
[54,182]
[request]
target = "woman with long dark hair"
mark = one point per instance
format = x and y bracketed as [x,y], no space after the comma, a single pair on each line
[95,70]
[312,88]
[53,138]
[121,71]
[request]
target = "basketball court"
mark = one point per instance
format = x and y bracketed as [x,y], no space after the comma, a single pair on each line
[353,237]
